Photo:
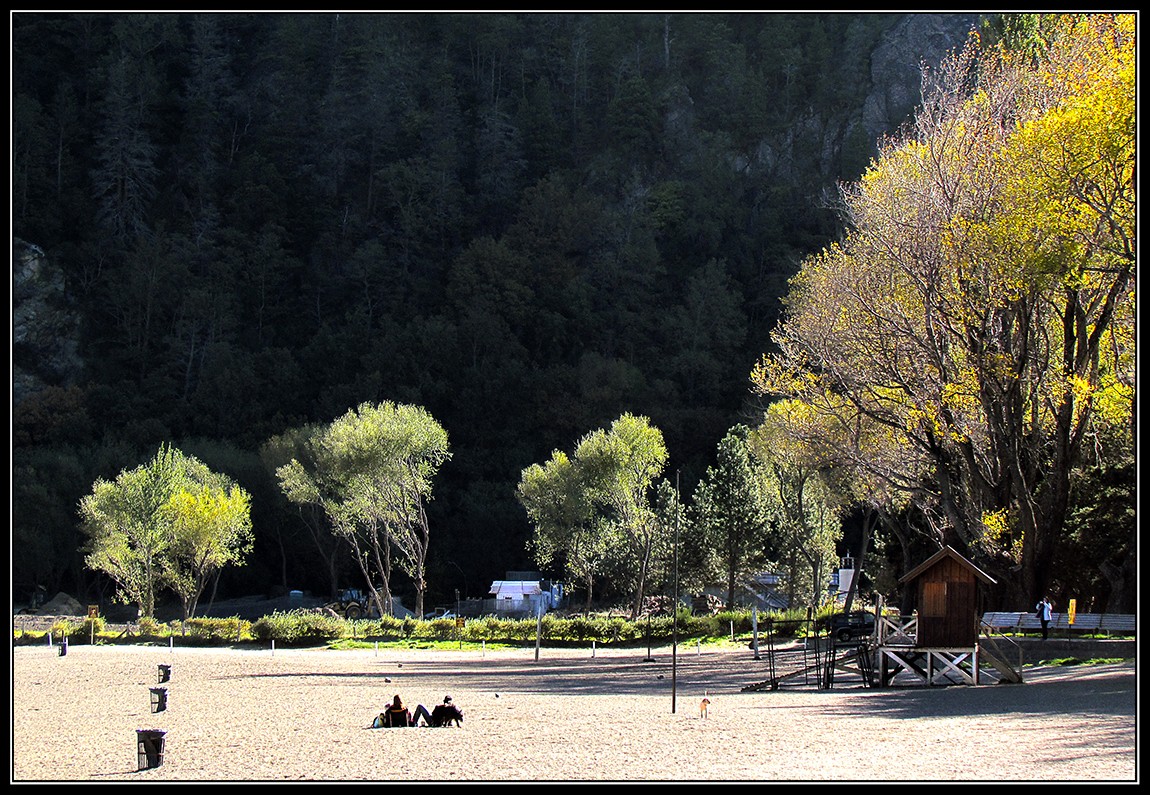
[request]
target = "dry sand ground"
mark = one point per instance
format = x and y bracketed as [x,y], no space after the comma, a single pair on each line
[571,715]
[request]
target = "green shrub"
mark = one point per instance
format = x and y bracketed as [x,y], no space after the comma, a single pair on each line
[711,626]
[693,626]
[218,630]
[390,628]
[584,628]
[489,628]
[24,638]
[740,620]
[299,626]
[619,630]
[436,629]
[149,627]
[786,623]
[88,629]
[549,627]
[311,627]
[63,627]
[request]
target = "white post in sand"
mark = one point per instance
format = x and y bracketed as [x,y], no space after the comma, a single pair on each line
[755,629]
[592,648]
[538,629]
[273,647]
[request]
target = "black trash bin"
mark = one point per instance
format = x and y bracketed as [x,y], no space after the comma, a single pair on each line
[164,674]
[159,699]
[150,748]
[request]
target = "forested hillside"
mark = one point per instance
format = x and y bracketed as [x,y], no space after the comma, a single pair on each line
[231,225]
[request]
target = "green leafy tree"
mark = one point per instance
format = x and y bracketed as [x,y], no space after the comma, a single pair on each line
[1098,557]
[675,528]
[372,471]
[279,451]
[171,522]
[563,519]
[731,511]
[622,464]
[211,528]
[314,477]
[804,511]
[597,507]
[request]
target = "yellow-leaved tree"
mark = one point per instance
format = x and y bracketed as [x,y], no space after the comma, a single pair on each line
[980,306]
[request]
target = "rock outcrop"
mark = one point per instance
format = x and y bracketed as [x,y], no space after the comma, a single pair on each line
[896,66]
[45,330]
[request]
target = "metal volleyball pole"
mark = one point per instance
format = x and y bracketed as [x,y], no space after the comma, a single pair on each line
[675,601]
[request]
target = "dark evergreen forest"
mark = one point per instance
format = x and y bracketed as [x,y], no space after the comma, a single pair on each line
[525,223]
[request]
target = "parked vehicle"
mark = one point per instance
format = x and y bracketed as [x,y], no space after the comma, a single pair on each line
[353,603]
[846,627]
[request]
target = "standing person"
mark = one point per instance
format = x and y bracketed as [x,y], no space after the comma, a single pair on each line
[1044,610]
[446,713]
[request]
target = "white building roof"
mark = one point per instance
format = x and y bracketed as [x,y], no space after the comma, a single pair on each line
[508,588]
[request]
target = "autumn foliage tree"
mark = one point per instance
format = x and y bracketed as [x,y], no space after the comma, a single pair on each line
[980,305]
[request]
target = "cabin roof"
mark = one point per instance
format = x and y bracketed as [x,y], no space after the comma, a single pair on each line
[947,552]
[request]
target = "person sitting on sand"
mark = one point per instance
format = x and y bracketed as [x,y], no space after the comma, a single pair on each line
[398,715]
[446,713]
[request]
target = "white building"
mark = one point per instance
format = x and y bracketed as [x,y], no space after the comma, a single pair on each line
[525,596]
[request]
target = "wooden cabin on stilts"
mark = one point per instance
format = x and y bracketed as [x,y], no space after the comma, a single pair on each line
[943,643]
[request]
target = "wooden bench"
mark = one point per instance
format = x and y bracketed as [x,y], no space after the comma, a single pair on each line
[1002,621]
[1124,623]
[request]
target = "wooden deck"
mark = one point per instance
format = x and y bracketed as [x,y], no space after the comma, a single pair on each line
[891,657]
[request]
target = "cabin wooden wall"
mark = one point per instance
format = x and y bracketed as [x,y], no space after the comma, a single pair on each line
[947,605]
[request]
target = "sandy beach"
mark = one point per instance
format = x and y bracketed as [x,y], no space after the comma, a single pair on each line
[570,715]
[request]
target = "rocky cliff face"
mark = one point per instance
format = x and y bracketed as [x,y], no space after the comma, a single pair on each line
[896,65]
[44,328]
[895,91]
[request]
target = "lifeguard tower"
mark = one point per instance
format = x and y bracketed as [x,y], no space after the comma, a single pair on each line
[941,644]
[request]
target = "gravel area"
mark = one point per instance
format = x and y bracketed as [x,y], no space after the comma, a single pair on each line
[549,716]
